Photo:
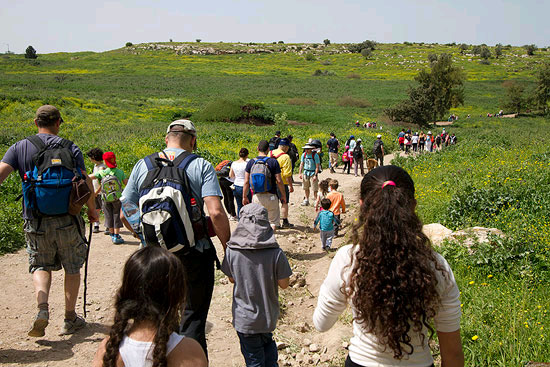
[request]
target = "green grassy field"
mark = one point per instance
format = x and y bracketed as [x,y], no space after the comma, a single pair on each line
[497,176]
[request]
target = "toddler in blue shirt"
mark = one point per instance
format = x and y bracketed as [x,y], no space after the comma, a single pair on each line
[326,220]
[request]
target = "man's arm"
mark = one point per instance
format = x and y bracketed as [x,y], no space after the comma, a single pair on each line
[246,188]
[281,187]
[283,283]
[219,219]
[5,170]
[92,213]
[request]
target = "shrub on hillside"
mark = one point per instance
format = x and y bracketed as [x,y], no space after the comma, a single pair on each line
[129,44]
[30,53]
[326,42]
[349,101]
[234,111]
[310,56]
[326,62]
[11,224]
[354,76]
[358,47]
[301,101]
[319,72]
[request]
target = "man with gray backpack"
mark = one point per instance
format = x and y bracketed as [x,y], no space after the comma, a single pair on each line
[263,177]
[54,230]
[171,188]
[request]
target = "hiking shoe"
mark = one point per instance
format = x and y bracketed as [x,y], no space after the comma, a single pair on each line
[96,229]
[117,240]
[71,327]
[106,232]
[287,225]
[39,324]
[305,202]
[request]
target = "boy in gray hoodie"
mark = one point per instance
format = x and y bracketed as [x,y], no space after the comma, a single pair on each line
[257,267]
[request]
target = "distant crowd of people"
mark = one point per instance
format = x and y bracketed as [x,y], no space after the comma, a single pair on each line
[419,142]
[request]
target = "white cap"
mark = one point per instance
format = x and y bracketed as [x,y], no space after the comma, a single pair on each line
[378,136]
[187,125]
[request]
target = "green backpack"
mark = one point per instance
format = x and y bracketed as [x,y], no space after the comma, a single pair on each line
[111,188]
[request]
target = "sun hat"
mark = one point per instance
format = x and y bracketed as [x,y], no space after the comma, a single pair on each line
[187,125]
[316,143]
[358,140]
[378,136]
[110,159]
[48,114]
[429,133]
[308,146]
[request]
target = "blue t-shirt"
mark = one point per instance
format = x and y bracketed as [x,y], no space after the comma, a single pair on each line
[274,168]
[332,144]
[326,220]
[19,157]
[202,180]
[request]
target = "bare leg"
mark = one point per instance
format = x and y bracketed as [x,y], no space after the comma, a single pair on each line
[284,211]
[72,284]
[42,281]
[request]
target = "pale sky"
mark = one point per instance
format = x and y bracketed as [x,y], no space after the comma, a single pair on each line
[75,25]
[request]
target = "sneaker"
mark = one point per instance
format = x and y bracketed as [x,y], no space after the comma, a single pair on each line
[71,327]
[117,240]
[96,229]
[106,232]
[305,202]
[39,324]
[287,225]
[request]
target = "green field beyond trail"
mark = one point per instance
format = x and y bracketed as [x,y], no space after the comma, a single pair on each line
[497,176]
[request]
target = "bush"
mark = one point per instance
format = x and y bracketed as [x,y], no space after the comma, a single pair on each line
[530,49]
[366,53]
[349,101]
[129,44]
[357,48]
[11,224]
[30,53]
[198,40]
[310,56]
[301,101]
[326,62]
[281,41]
[315,45]
[326,42]
[319,72]
[234,111]
[354,76]
[484,62]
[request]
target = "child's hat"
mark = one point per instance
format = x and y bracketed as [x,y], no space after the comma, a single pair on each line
[110,159]
[254,230]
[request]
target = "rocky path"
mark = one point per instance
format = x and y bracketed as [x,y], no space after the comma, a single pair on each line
[300,343]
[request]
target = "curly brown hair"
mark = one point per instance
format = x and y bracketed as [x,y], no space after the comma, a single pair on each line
[153,289]
[393,281]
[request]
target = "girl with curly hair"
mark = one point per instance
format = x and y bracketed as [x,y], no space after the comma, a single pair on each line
[394,280]
[147,315]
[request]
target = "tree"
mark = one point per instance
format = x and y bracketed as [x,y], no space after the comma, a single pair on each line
[432,58]
[463,47]
[198,40]
[366,53]
[498,50]
[485,53]
[358,47]
[129,44]
[514,98]
[326,42]
[30,53]
[542,91]
[439,88]
[530,49]
[476,50]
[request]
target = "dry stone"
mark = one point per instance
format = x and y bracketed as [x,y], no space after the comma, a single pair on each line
[436,232]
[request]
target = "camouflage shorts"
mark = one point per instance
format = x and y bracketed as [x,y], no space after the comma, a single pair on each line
[55,242]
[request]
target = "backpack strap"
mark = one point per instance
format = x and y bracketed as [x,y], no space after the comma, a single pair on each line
[37,142]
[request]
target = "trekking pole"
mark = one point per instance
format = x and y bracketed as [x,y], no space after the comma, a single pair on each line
[89,243]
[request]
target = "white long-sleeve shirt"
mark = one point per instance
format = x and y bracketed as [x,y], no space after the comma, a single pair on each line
[365,349]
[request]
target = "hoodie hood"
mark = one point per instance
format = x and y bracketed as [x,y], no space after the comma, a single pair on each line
[253,231]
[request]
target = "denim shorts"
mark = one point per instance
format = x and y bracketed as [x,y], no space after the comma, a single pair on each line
[55,242]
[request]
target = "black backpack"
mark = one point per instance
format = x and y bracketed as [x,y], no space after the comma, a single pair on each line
[377,149]
[170,216]
[357,152]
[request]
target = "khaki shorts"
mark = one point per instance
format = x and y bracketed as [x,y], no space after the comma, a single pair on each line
[55,242]
[271,203]
[308,182]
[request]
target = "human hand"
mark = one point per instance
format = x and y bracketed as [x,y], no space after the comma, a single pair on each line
[301,177]
[245,200]
[290,188]
[92,216]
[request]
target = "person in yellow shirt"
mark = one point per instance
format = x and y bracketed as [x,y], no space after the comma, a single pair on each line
[281,155]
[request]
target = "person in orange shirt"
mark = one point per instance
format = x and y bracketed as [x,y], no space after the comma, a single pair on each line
[338,204]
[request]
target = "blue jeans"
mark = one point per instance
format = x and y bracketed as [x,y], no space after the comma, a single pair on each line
[259,350]
[238,193]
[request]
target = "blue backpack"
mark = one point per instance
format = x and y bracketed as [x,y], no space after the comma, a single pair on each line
[170,216]
[260,176]
[47,187]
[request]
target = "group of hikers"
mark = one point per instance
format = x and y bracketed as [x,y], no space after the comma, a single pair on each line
[419,142]
[161,307]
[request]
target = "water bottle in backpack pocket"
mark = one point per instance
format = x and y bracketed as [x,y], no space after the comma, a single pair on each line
[260,176]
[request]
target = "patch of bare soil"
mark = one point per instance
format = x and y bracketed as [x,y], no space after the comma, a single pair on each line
[444,123]
[299,343]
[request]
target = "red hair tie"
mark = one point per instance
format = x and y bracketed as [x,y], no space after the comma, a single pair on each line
[388,183]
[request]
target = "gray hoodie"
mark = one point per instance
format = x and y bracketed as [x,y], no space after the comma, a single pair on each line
[255,262]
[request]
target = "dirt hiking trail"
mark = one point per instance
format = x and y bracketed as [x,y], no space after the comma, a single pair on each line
[301,344]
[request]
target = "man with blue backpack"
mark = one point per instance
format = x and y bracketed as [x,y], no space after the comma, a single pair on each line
[171,188]
[263,177]
[54,229]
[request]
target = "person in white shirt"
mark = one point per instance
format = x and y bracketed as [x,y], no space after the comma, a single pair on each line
[394,281]
[147,312]
[237,173]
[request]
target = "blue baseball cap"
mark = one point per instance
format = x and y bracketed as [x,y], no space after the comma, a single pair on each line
[284,141]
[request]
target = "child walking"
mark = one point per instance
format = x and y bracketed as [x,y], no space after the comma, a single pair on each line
[338,204]
[111,180]
[322,193]
[326,220]
[147,316]
[257,267]
[96,157]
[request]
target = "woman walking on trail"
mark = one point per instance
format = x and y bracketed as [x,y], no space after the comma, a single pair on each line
[237,174]
[147,312]
[394,280]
